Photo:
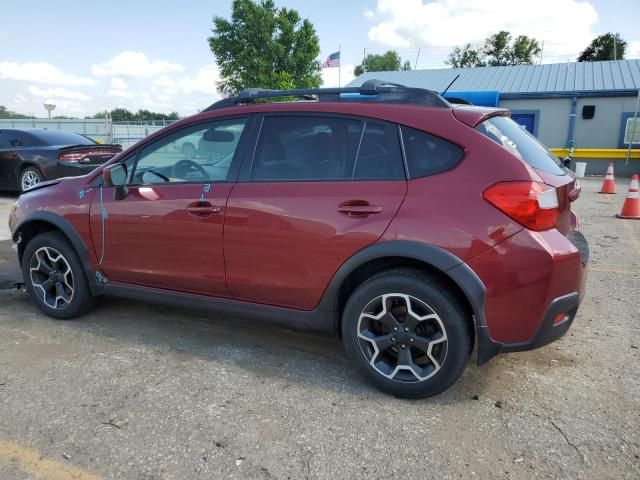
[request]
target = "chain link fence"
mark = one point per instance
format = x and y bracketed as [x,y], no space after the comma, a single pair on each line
[100,130]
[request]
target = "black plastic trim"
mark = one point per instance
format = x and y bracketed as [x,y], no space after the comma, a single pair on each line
[314,321]
[450,265]
[383,91]
[547,332]
[67,229]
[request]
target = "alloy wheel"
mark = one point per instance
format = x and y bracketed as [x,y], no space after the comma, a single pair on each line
[28,179]
[51,277]
[402,337]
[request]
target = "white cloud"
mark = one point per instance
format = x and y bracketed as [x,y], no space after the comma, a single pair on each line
[633,49]
[164,81]
[565,26]
[134,64]
[330,75]
[41,72]
[118,83]
[57,93]
[119,92]
[205,81]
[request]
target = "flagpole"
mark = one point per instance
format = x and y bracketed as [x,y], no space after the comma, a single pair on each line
[339,64]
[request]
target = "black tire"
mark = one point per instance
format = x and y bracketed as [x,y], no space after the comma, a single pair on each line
[29,177]
[427,294]
[73,305]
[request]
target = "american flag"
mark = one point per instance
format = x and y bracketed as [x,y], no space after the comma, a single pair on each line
[332,60]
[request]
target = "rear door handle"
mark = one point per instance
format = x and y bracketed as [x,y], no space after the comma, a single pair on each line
[358,208]
[202,209]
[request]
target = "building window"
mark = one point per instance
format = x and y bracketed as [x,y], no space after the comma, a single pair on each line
[631,131]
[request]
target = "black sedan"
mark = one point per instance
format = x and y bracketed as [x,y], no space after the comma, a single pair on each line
[29,156]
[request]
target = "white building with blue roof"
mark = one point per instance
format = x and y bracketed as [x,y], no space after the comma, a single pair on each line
[586,104]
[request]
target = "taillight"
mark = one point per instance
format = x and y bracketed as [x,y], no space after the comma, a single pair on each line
[533,205]
[80,156]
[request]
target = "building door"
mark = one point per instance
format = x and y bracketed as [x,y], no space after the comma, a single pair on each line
[527,120]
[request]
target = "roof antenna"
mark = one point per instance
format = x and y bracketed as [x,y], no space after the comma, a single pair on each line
[449,86]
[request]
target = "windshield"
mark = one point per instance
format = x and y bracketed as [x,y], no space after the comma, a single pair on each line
[60,137]
[521,143]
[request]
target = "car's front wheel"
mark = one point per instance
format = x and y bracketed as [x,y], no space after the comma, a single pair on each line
[54,277]
[407,333]
[28,178]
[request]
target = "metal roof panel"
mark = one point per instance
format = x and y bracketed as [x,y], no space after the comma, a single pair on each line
[548,78]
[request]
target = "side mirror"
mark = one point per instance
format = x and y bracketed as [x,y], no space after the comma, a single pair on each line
[566,161]
[116,176]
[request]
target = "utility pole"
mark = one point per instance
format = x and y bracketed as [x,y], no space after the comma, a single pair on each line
[415,67]
[634,127]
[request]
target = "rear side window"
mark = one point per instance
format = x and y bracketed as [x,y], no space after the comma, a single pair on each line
[307,148]
[428,155]
[518,141]
[61,137]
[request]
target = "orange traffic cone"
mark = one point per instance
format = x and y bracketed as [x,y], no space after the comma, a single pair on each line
[609,184]
[631,207]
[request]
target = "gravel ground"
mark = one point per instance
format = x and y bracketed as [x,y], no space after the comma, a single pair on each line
[137,391]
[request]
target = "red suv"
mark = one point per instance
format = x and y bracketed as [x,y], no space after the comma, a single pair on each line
[411,228]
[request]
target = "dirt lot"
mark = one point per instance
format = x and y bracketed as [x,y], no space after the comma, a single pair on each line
[138,391]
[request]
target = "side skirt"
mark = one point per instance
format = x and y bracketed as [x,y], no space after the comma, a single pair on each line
[314,321]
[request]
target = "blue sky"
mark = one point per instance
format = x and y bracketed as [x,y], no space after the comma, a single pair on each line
[155,54]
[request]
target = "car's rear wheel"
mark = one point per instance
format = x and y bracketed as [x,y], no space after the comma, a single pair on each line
[28,178]
[54,277]
[407,333]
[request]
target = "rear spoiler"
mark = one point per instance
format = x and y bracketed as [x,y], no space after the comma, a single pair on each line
[94,146]
[474,116]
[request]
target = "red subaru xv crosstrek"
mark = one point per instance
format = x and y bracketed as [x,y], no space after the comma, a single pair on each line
[412,228]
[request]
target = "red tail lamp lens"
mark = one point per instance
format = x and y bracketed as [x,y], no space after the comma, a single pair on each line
[533,205]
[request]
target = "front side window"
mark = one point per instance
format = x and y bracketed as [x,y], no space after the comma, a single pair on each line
[201,153]
[307,148]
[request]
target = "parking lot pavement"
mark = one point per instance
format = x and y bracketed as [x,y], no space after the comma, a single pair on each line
[137,391]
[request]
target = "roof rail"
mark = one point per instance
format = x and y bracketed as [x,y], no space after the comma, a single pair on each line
[379,91]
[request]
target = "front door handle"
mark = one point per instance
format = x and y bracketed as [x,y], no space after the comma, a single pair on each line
[358,208]
[202,209]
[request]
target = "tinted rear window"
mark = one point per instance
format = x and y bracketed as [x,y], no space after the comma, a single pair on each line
[428,155]
[521,143]
[60,137]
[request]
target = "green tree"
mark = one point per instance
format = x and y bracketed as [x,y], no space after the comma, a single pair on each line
[389,61]
[499,49]
[265,47]
[4,113]
[524,50]
[603,48]
[124,115]
[466,56]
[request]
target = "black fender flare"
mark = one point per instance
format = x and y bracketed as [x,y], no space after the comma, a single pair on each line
[447,263]
[69,231]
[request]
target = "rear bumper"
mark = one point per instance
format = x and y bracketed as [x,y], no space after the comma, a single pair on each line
[548,332]
[530,282]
